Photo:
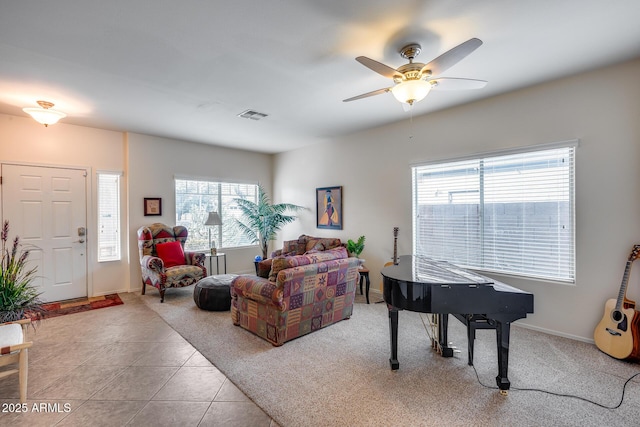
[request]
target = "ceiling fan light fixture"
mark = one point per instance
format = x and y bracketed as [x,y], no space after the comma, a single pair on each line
[45,115]
[410,91]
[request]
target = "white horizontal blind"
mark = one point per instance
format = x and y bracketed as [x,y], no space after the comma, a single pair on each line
[231,234]
[506,213]
[447,207]
[195,198]
[108,216]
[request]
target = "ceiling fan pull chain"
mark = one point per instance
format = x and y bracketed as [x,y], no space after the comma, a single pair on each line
[410,122]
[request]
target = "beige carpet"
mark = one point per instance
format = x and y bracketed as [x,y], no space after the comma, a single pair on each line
[340,376]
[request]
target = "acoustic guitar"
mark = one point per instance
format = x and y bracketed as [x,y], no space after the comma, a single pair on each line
[618,333]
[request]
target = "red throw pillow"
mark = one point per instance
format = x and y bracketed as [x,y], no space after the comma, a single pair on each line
[170,253]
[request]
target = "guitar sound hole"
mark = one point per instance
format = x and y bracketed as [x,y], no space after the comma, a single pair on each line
[616,315]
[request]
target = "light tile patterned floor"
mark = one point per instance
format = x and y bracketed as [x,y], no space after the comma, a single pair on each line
[121,366]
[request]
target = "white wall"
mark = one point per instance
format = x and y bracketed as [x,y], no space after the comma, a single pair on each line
[374,169]
[153,163]
[23,140]
[149,165]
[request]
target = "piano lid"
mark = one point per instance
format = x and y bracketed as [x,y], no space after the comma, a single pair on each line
[420,269]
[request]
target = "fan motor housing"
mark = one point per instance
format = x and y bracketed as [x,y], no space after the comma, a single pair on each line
[411,71]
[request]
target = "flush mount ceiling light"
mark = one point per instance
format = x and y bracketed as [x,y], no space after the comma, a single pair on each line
[45,114]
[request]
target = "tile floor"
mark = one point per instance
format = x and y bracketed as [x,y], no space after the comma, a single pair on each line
[122,366]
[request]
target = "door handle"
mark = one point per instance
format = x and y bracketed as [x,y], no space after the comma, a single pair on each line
[79,241]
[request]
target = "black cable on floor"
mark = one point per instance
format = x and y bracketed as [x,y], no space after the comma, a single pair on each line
[624,387]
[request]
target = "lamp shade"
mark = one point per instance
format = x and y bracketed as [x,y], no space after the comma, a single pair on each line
[45,114]
[213,219]
[411,91]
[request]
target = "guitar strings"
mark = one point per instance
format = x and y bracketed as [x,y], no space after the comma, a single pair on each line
[431,330]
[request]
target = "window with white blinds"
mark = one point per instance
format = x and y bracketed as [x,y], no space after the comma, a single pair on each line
[195,198]
[510,213]
[108,216]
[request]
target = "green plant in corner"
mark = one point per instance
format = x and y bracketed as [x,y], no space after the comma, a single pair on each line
[19,298]
[263,219]
[356,248]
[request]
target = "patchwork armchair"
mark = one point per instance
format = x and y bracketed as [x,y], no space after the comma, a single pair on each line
[163,261]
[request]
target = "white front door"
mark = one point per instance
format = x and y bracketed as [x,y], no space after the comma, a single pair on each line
[46,207]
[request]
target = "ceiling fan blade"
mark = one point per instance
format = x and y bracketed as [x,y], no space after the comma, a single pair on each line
[452,57]
[368,94]
[452,83]
[379,67]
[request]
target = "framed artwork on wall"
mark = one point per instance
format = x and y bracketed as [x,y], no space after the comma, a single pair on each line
[152,206]
[329,208]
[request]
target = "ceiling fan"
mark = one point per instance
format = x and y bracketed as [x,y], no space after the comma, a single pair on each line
[414,80]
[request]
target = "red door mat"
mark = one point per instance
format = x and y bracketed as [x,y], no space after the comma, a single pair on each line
[78,305]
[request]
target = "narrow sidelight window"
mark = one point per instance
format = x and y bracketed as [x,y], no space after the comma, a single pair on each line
[108,216]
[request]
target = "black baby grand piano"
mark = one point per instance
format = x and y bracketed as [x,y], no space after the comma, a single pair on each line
[424,285]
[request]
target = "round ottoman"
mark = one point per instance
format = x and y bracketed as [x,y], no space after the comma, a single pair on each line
[213,293]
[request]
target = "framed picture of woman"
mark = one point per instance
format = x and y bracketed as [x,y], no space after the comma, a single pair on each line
[329,208]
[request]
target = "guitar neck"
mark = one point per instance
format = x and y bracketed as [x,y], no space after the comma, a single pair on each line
[395,251]
[395,246]
[623,287]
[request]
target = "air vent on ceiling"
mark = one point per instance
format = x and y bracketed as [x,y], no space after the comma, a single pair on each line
[253,115]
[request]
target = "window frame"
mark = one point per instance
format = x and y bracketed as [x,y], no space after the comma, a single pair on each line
[217,231]
[117,238]
[483,265]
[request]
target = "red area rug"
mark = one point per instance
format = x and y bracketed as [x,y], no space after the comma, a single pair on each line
[78,305]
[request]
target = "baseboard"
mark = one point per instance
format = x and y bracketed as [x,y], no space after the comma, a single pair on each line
[553,332]
[253,272]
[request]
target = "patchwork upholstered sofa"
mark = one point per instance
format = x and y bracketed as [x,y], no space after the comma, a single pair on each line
[299,246]
[302,294]
[305,243]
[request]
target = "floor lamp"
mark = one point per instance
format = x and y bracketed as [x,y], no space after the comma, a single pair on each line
[212,219]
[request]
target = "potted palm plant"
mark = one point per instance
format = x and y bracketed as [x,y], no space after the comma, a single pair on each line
[264,219]
[19,298]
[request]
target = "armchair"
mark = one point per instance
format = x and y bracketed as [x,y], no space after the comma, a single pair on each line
[165,264]
[14,349]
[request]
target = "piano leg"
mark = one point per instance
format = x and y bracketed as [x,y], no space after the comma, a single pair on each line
[443,339]
[471,339]
[502,335]
[393,330]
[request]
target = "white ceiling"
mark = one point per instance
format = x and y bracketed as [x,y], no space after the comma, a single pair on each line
[185,69]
